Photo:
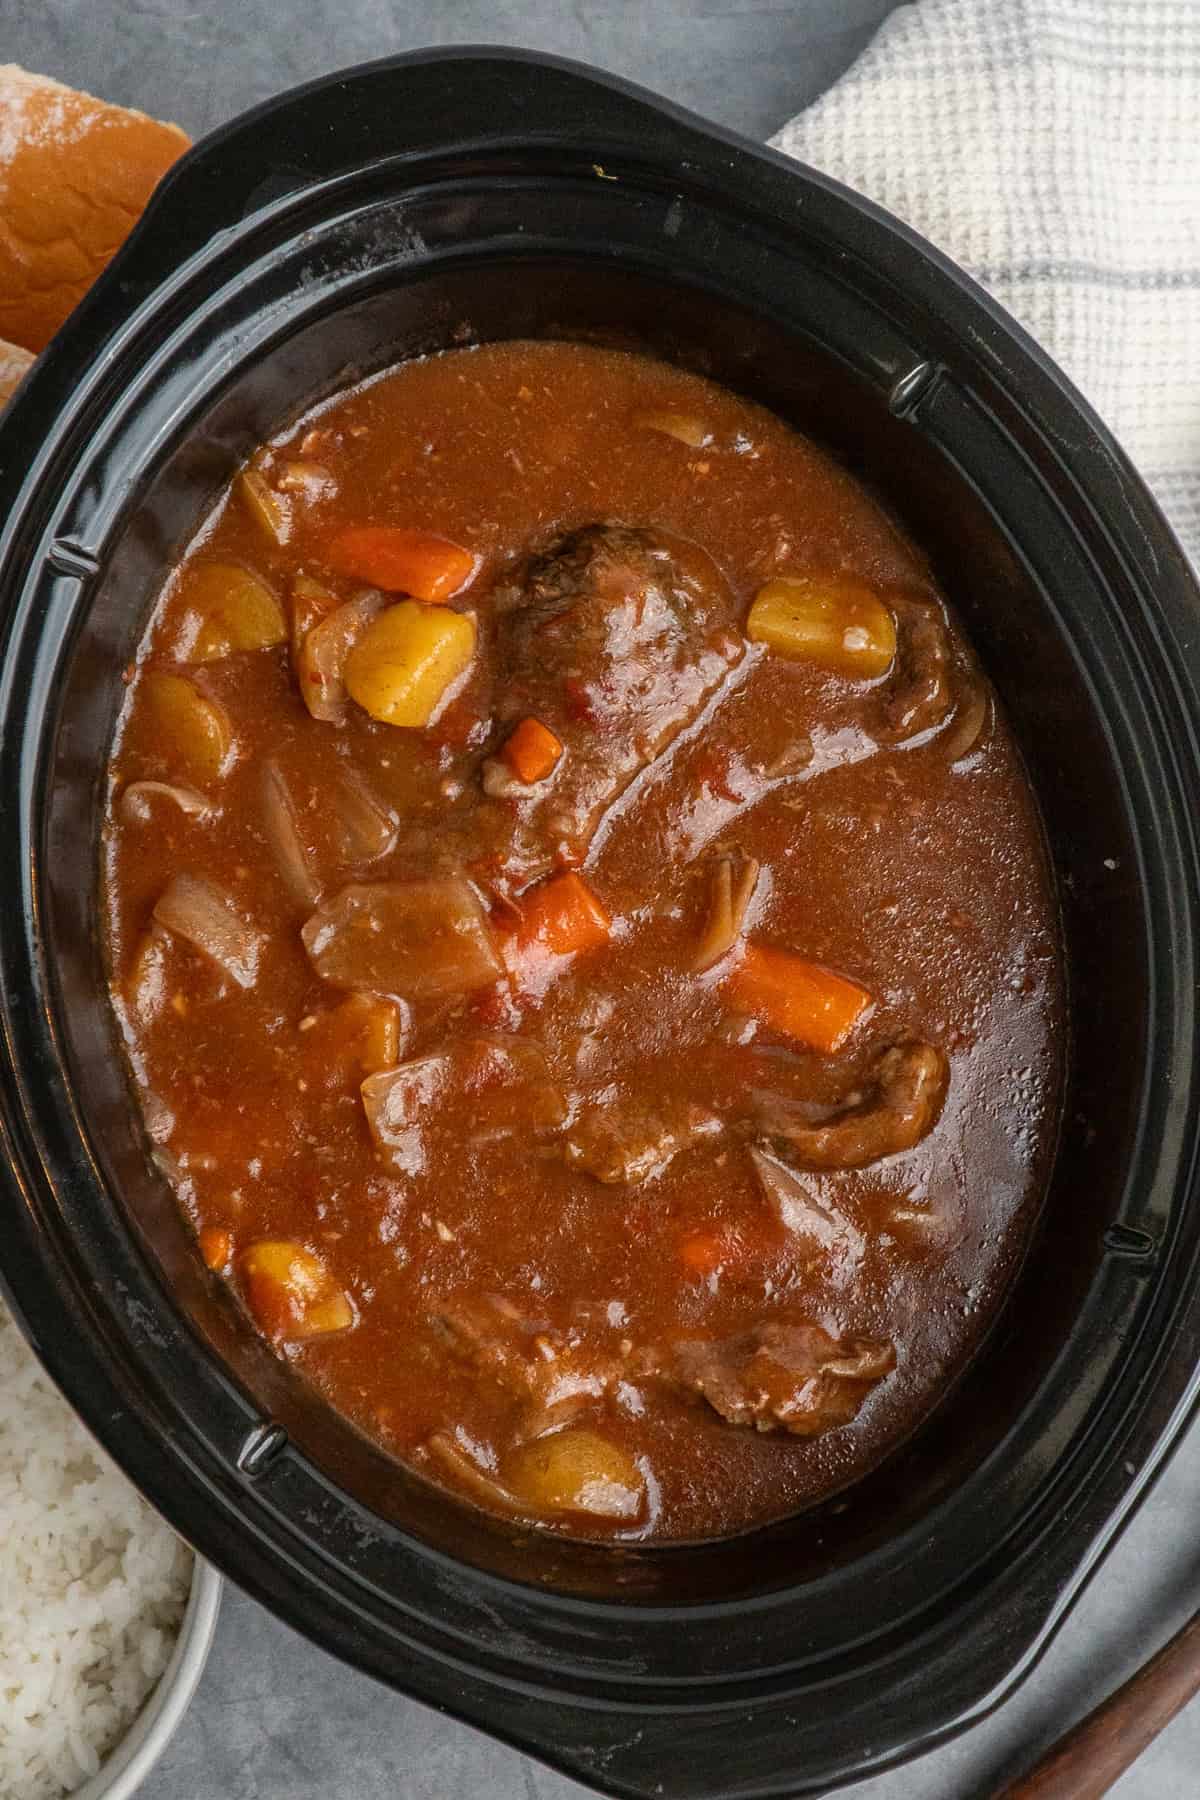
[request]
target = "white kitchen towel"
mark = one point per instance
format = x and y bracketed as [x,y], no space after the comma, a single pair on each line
[1052,148]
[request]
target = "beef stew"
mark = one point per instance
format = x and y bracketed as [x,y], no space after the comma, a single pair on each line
[583,940]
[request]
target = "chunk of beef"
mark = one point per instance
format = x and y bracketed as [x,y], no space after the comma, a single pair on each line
[632,1141]
[553,1374]
[491,1334]
[779,1376]
[614,640]
[917,694]
[899,1105]
[929,682]
[506,1078]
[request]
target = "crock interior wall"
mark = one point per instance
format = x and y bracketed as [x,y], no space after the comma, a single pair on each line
[1021,646]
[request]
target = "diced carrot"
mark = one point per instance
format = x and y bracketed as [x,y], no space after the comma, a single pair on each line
[800,998]
[419,563]
[703,1252]
[735,1249]
[563,914]
[216,1246]
[532,751]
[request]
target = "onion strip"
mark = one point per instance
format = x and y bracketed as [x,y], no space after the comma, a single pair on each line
[283,835]
[728,905]
[135,801]
[194,909]
[482,1487]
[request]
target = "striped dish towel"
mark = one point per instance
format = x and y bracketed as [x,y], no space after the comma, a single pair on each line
[1052,148]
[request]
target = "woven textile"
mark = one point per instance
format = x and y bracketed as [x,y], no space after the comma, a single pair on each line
[1052,148]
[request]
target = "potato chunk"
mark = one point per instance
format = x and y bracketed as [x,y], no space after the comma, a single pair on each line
[192,732]
[358,1037]
[577,1471]
[827,620]
[290,1293]
[229,609]
[407,660]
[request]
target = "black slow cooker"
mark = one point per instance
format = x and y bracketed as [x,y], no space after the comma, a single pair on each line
[449,198]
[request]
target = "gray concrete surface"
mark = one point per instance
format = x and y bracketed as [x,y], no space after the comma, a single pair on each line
[276,1719]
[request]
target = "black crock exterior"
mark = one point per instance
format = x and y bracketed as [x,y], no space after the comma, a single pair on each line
[824,1648]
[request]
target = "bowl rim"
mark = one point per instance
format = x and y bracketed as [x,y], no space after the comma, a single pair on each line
[127,1766]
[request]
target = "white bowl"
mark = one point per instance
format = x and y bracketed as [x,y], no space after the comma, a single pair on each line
[125,1770]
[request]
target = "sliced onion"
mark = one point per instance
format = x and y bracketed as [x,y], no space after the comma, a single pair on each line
[321,661]
[145,987]
[308,603]
[417,939]
[793,759]
[283,836]
[365,826]
[157,1116]
[499,782]
[265,507]
[507,1079]
[967,726]
[194,909]
[135,801]
[732,892]
[923,1228]
[311,480]
[863,1359]
[478,1482]
[804,1212]
[686,427]
[399,1101]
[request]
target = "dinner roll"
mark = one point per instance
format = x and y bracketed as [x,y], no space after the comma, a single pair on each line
[75,174]
[13,363]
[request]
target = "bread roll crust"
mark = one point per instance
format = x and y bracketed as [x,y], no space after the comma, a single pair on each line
[75,173]
[13,363]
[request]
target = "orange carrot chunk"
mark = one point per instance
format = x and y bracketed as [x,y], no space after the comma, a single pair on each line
[216,1246]
[564,915]
[532,751]
[799,998]
[704,1252]
[419,563]
[728,1247]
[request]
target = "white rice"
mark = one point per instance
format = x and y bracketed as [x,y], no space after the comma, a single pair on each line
[92,1589]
